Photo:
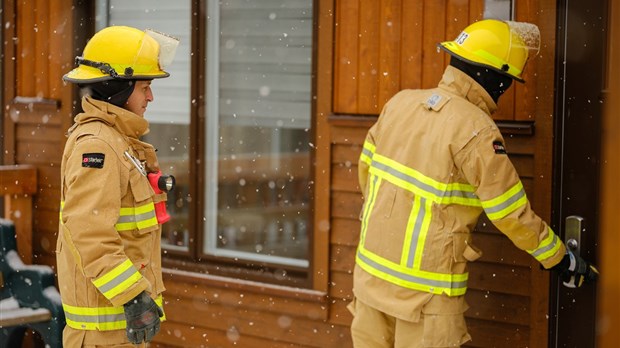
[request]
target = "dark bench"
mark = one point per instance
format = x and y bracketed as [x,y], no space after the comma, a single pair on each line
[29,298]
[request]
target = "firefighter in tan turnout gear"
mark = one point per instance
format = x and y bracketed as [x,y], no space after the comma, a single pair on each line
[432,163]
[108,249]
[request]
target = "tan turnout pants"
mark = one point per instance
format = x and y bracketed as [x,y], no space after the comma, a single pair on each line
[72,338]
[374,329]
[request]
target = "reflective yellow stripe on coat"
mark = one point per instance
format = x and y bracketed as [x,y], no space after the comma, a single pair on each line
[137,218]
[132,218]
[119,279]
[124,275]
[407,273]
[100,318]
[411,180]
[547,247]
[427,191]
[511,200]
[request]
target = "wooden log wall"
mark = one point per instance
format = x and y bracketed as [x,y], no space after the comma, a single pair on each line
[384,46]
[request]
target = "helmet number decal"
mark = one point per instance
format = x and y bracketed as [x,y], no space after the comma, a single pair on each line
[461,38]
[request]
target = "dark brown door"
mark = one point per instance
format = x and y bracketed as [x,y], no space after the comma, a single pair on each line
[580,73]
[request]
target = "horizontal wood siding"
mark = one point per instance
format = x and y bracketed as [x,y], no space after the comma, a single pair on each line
[346,202]
[215,312]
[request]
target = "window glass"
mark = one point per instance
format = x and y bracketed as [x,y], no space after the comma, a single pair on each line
[259,63]
[169,113]
[498,9]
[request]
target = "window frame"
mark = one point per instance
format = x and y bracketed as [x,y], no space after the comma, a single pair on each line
[195,259]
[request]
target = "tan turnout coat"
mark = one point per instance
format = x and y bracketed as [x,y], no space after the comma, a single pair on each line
[108,248]
[432,163]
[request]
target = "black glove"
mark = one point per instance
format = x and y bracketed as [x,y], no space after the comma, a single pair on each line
[575,271]
[142,315]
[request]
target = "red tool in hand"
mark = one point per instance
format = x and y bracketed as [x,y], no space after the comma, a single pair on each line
[161,183]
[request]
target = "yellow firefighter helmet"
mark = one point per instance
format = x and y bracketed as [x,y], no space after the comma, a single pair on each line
[504,46]
[120,52]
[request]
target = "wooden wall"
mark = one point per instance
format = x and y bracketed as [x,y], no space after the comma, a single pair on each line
[367,50]
[382,47]
[38,106]
[385,46]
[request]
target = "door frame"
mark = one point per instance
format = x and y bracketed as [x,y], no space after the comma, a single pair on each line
[580,83]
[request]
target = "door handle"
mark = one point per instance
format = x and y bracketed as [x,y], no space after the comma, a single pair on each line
[572,235]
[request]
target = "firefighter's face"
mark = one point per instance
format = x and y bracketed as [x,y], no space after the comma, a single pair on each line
[139,99]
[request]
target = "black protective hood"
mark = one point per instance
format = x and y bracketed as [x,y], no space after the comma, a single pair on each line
[493,82]
[115,92]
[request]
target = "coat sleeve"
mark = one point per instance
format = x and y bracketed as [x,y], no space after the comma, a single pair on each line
[486,166]
[91,208]
[364,162]
[368,151]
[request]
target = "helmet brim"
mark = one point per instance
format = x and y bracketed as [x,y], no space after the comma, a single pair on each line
[454,50]
[83,75]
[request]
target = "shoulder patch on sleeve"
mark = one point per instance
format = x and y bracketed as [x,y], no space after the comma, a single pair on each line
[499,148]
[93,160]
[436,101]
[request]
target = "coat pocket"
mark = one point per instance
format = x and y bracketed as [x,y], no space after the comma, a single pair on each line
[444,322]
[471,253]
[462,248]
[140,186]
[142,196]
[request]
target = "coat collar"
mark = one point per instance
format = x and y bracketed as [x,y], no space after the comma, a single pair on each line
[128,123]
[457,82]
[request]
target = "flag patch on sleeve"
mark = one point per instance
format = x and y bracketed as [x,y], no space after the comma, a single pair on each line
[499,147]
[93,160]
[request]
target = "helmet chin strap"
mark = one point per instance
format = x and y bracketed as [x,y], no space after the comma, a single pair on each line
[492,81]
[103,67]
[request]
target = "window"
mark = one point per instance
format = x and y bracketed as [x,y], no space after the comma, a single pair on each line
[258,121]
[499,9]
[252,207]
